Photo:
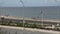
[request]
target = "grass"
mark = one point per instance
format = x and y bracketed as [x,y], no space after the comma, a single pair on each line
[27,25]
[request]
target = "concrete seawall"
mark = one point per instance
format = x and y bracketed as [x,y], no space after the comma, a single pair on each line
[26,30]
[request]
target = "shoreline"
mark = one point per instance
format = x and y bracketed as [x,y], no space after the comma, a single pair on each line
[33,19]
[30,29]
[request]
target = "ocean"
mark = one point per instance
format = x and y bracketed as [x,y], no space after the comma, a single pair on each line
[50,12]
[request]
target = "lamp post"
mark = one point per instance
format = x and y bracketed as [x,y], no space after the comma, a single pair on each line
[23,11]
[41,13]
[42,16]
[57,11]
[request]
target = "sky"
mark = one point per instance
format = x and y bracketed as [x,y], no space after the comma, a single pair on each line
[29,3]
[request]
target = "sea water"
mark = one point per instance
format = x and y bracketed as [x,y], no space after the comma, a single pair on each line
[32,12]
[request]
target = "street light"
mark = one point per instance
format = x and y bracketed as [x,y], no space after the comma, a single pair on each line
[23,11]
[41,13]
[42,16]
[57,11]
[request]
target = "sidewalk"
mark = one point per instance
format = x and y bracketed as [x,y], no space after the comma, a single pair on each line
[30,29]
